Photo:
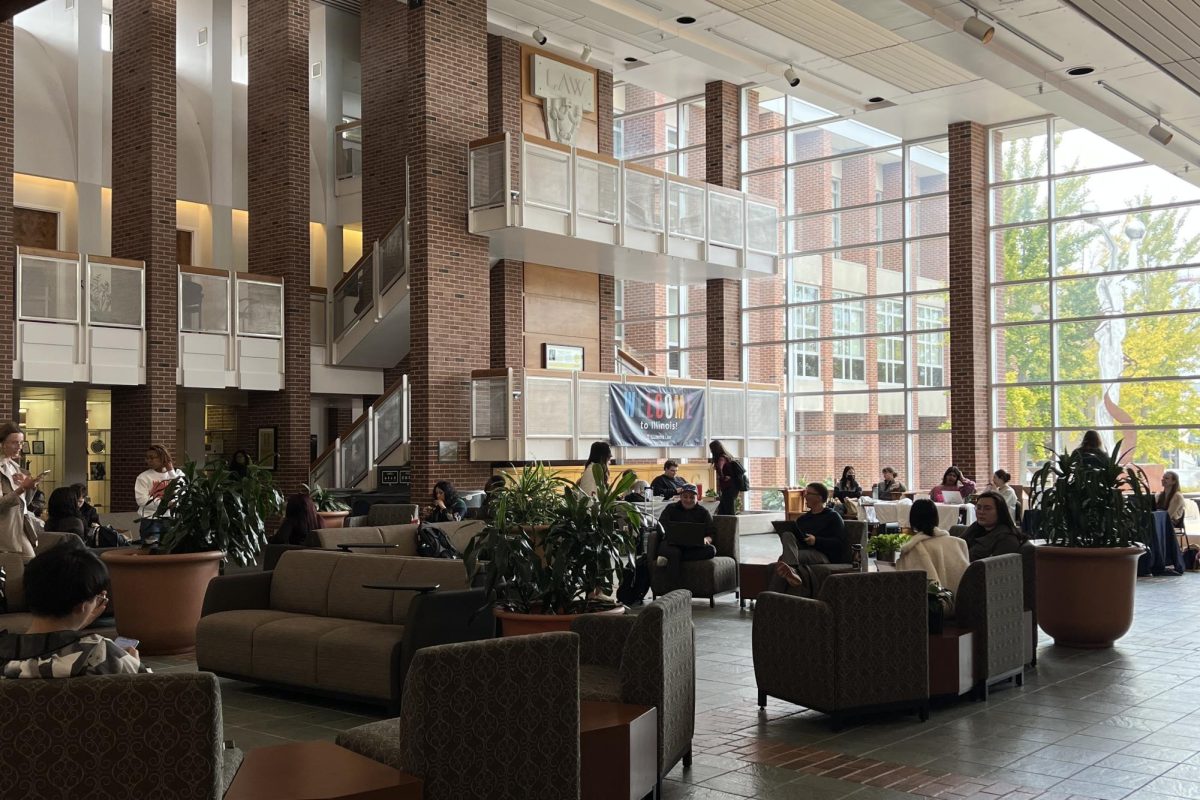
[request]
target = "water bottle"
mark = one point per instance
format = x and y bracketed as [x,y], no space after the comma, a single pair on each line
[856,558]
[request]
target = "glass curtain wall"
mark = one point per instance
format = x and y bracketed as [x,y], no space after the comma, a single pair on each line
[1095,306]
[856,326]
[661,326]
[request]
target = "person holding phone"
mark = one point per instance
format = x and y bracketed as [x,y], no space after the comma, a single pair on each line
[149,488]
[66,589]
[17,534]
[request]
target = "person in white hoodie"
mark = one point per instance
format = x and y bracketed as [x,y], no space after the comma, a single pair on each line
[943,558]
[149,488]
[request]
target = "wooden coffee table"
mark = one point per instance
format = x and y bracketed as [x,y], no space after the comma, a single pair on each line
[618,750]
[754,574]
[318,771]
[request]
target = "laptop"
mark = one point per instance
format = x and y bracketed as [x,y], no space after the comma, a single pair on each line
[787,539]
[952,498]
[686,534]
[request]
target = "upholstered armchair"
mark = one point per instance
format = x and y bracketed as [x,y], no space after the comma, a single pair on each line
[710,578]
[646,659]
[114,737]
[861,646]
[990,603]
[488,720]
[1029,595]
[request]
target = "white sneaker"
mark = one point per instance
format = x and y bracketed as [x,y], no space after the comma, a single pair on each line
[661,561]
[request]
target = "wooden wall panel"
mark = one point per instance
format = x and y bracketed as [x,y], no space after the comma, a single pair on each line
[562,306]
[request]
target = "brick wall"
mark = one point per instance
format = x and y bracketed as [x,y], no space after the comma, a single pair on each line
[143,226]
[8,252]
[278,203]
[722,144]
[968,297]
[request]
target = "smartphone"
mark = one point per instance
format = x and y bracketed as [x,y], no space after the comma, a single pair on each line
[125,642]
[44,473]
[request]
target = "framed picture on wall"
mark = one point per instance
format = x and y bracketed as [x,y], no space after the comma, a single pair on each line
[37,447]
[562,356]
[97,471]
[266,447]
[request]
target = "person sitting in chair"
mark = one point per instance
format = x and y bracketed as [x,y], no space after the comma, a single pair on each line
[672,556]
[821,535]
[669,483]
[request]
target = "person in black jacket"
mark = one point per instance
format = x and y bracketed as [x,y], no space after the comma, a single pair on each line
[670,556]
[847,486]
[63,512]
[87,511]
[669,483]
[821,534]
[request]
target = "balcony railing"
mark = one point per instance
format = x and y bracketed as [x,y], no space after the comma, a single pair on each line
[591,198]
[561,413]
[348,153]
[64,334]
[379,437]
[359,294]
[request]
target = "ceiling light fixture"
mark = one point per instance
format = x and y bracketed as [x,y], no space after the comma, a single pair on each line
[1076,72]
[971,28]
[539,37]
[777,60]
[685,20]
[792,77]
[978,29]
[1162,129]
[630,59]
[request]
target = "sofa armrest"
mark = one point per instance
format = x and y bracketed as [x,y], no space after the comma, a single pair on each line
[602,637]
[273,552]
[443,617]
[792,644]
[234,592]
[725,537]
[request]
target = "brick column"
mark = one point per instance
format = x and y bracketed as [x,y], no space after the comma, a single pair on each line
[608,293]
[970,442]
[143,226]
[8,251]
[278,202]
[723,167]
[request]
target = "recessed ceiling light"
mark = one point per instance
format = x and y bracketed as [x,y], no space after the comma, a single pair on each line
[630,59]
[1077,71]
[685,20]
[874,99]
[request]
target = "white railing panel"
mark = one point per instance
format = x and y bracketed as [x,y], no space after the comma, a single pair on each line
[393,256]
[353,297]
[323,473]
[318,324]
[488,167]
[549,407]
[547,178]
[49,289]
[260,309]
[389,424]
[355,456]
[726,413]
[489,407]
[597,188]
[203,303]
[687,210]
[593,409]
[115,295]
[762,414]
[762,228]
[725,219]
[643,201]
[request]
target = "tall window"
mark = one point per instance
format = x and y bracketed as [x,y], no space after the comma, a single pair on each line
[1095,306]
[855,326]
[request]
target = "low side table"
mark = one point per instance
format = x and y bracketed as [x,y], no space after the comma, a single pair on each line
[754,574]
[618,750]
[318,771]
[951,662]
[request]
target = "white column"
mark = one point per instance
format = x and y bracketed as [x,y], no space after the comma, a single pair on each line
[89,129]
[220,56]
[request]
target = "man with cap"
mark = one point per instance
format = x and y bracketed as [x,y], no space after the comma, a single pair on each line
[672,556]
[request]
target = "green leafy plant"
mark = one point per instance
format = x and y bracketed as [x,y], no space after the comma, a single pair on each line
[551,549]
[323,499]
[1082,501]
[886,545]
[212,508]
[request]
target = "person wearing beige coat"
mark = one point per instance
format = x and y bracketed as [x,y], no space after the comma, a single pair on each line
[943,558]
[15,535]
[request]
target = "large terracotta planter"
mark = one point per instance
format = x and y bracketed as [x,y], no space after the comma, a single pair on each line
[160,596]
[333,519]
[515,624]
[1085,594]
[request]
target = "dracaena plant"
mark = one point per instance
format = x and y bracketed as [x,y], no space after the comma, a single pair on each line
[549,548]
[211,508]
[323,499]
[1091,499]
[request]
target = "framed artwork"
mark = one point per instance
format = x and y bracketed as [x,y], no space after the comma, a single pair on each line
[97,471]
[562,356]
[266,447]
[447,452]
[37,447]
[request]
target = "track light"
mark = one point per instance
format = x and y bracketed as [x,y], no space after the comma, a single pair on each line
[791,76]
[539,37]
[978,29]
[587,53]
[1160,134]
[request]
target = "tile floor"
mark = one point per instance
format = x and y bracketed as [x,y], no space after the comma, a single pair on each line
[1110,725]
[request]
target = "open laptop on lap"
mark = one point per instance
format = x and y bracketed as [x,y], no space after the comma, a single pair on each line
[686,534]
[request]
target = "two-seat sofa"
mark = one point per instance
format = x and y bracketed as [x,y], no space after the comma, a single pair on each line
[310,624]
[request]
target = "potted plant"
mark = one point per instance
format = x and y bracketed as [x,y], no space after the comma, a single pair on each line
[1087,568]
[333,512]
[551,552]
[886,549]
[210,514]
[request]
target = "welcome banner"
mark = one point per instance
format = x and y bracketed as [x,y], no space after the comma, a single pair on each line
[655,416]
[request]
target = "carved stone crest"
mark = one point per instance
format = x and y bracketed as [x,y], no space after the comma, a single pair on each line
[567,93]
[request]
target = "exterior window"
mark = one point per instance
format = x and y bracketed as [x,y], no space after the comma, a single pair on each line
[849,355]
[106,31]
[805,325]
[930,347]
[890,317]
[618,312]
[835,201]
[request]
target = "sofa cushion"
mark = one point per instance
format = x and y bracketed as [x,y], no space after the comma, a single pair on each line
[285,650]
[448,573]
[349,600]
[357,659]
[225,640]
[300,583]
[598,682]
[379,741]
[330,538]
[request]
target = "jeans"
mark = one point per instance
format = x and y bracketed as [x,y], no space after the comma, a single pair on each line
[676,555]
[728,505]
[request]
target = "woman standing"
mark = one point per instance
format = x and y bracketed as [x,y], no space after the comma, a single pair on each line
[595,471]
[731,477]
[149,488]
[15,488]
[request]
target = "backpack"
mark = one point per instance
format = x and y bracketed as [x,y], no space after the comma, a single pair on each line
[635,583]
[741,481]
[105,536]
[432,542]
[1191,558]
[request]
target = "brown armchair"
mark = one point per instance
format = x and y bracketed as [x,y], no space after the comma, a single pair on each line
[646,659]
[862,646]
[709,578]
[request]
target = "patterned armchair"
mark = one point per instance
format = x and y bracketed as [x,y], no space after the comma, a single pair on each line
[709,578]
[1029,595]
[990,604]
[115,737]
[862,646]
[489,720]
[646,659]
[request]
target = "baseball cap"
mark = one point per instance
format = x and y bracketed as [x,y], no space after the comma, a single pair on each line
[688,487]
